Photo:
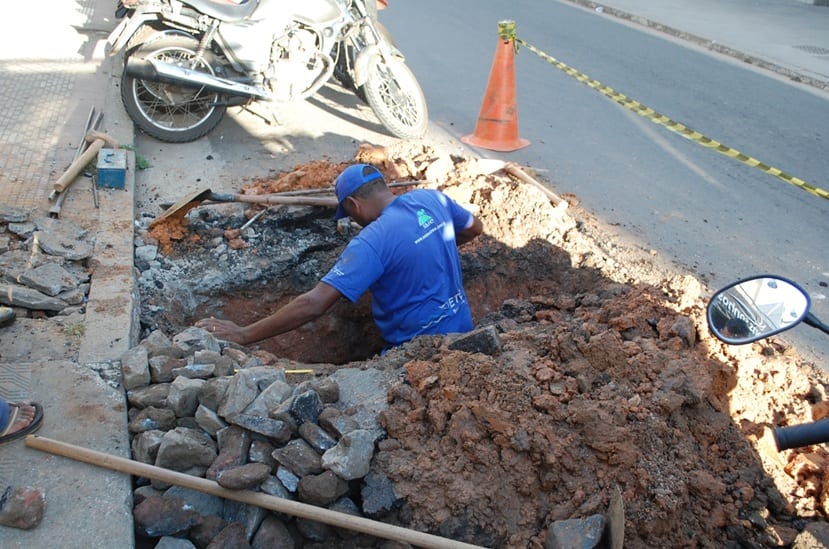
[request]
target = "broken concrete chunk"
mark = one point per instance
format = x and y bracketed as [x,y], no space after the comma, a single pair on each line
[483,340]
[20,296]
[50,279]
[62,244]
[12,214]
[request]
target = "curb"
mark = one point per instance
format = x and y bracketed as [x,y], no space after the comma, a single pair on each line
[706,43]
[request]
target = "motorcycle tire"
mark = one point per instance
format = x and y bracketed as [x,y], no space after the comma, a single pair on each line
[167,112]
[394,95]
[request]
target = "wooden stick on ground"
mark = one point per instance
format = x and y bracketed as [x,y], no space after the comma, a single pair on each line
[279,505]
[516,171]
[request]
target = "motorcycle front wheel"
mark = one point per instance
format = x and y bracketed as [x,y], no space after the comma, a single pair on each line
[168,112]
[394,95]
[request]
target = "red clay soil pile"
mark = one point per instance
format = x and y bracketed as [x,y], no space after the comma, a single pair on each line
[608,380]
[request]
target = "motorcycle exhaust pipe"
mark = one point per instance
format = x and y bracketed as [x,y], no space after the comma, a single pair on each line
[806,434]
[167,73]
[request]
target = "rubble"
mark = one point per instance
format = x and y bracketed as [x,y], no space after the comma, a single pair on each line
[43,266]
[591,379]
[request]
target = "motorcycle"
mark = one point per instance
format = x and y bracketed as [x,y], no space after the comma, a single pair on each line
[187,61]
[758,307]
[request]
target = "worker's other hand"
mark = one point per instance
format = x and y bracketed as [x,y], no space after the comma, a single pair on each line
[223,329]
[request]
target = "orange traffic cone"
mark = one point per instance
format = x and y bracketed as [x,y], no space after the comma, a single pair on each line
[497,127]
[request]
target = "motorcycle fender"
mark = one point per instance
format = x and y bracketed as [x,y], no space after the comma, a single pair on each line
[121,34]
[362,62]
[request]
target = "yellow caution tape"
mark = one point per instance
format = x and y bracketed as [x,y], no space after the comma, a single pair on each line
[673,125]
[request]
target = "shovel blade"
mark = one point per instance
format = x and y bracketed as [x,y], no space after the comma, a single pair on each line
[184,205]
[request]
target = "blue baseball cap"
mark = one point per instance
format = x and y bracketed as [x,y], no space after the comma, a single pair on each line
[351,179]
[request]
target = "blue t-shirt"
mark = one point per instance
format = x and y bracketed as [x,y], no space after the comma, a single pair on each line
[409,261]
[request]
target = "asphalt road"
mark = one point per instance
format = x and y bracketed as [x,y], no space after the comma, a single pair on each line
[716,216]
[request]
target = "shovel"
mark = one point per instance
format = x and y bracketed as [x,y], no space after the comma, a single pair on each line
[180,208]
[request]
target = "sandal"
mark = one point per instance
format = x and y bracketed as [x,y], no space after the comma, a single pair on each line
[6,435]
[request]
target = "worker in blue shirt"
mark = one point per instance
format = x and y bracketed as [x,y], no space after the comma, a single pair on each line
[406,256]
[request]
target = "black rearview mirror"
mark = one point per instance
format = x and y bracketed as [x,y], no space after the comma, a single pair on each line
[756,308]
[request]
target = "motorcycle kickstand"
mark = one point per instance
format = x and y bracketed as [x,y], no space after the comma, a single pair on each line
[268,121]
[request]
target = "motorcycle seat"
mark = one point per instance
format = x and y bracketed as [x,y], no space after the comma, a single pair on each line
[224,10]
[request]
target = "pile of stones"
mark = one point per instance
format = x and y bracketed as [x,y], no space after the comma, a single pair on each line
[43,262]
[219,411]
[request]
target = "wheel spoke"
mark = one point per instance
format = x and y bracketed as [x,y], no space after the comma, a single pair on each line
[175,107]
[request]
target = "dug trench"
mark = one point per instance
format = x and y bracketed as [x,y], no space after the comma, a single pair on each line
[605,380]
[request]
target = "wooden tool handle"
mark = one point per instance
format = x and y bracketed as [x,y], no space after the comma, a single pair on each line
[272,503]
[328,202]
[75,168]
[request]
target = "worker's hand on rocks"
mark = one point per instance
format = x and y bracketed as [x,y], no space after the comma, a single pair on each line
[223,329]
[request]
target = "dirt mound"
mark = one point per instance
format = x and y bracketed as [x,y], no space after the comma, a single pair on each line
[608,380]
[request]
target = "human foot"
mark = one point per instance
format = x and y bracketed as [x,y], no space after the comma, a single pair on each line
[24,418]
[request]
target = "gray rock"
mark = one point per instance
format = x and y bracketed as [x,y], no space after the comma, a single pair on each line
[321,489]
[241,391]
[151,395]
[232,536]
[483,340]
[156,342]
[195,371]
[270,398]
[306,406]
[167,542]
[244,477]
[159,516]
[274,487]
[298,457]
[314,530]
[153,419]
[21,296]
[249,516]
[24,229]
[363,392]
[183,398]
[182,449]
[64,241]
[145,446]
[213,392]
[50,279]
[288,479]
[209,420]
[135,368]
[75,296]
[145,254]
[261,452]
[314,435]
[583,533]
[234,445]
[143,492]
[346,505]
[7,316]
[274,429]
[22,507]
[351,458]
[162,366]
[336,423]
[272,533]
[204,504]
[378,495]
[12,214]
[207,530]
[196,339]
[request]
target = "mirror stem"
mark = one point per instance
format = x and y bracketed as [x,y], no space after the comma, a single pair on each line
[813,321]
